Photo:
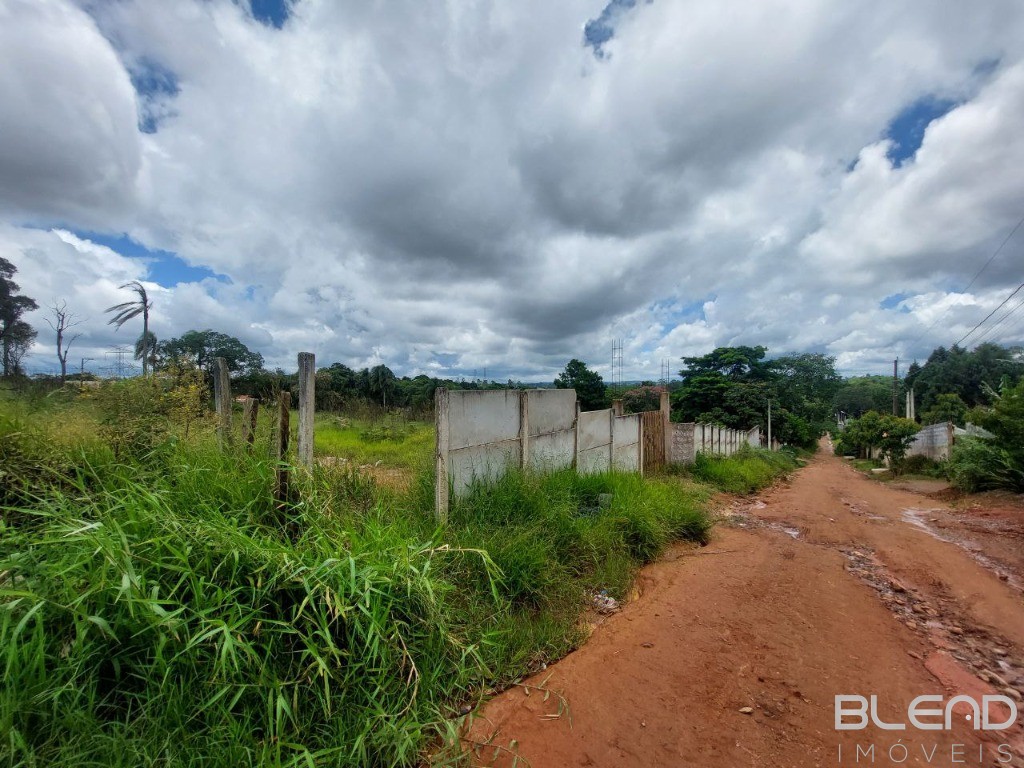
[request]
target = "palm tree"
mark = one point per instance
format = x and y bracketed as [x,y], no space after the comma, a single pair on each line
[382,381]
[129,310]
[146,348]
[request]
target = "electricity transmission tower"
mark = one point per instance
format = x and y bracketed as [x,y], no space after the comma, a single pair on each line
[617,363]
[118,366]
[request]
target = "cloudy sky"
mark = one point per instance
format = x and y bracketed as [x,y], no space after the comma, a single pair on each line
[446,187]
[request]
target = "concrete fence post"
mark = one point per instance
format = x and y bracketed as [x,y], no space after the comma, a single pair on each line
[441,443]
[611,440]
[281,438]
[307,407]
[576,439]
[524,429]
[617,407]
[250,414]
[222,399]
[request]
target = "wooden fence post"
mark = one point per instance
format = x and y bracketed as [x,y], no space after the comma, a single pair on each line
[441,454]
[666,414]
[250,413]
[222,399]
[284,406]
[307,407]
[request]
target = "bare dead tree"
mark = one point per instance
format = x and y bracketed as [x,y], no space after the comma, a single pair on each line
[62,321]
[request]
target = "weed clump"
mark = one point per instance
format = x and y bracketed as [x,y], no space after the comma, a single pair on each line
[744,472]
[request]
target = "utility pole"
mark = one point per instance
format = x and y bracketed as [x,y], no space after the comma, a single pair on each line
[895,379]
[81,373]
[769,424]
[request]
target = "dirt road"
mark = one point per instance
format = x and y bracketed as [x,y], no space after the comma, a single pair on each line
[831,583]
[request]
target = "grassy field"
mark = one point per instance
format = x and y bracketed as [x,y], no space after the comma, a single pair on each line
[394,442]
[158,608]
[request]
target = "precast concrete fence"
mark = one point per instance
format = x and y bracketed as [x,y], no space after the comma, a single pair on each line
[481,435]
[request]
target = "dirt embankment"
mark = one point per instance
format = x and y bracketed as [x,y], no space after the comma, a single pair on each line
[829,584]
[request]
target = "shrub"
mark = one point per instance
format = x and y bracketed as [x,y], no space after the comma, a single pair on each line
[978,465]
[746,471]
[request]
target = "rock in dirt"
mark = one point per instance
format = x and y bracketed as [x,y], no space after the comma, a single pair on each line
[746,710]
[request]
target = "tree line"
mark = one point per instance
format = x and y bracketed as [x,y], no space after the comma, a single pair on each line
[731,386]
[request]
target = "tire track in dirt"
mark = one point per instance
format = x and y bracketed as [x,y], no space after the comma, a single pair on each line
[733,654]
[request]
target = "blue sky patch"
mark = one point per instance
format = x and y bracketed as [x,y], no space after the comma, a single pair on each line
[907,129]
[894,301]
[155,84]
[272,13]
[597,32]
[164,267]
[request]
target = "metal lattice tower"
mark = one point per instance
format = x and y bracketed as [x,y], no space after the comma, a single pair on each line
[118,366]
[617,362]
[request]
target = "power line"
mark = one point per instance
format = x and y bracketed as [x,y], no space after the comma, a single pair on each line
[971,332]
[999,322]
[973,279]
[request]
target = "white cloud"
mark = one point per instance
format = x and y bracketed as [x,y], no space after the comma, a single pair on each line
[457,186]
[70,147]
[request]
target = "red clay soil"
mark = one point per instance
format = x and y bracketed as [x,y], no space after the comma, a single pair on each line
[831,583]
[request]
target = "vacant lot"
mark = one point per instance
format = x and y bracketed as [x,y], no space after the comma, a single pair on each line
[158,606]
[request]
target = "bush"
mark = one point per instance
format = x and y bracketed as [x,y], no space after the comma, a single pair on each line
[746,471]
[891,434]
[922,465]
[979,465]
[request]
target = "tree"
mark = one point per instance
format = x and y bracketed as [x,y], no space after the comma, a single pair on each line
[12,306]
[891,434]
[61,322]
[1005,419]
[972,375]
[590,388]
[733,385]
[147,349]
[735,363]
[129,310]
[947,407]
[205,346]
[860,394]
[646,397]
[18,340]
[381,382]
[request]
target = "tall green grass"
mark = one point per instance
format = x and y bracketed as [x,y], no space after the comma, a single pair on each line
[744,472]
[159,609]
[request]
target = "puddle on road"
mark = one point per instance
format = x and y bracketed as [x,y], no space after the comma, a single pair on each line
[739,514]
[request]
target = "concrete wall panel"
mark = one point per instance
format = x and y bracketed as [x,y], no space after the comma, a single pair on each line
[554,451]
[551,410]
[479,418]
[594,429]
[483,463]
[627,429]
[626,458]
[593,460]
